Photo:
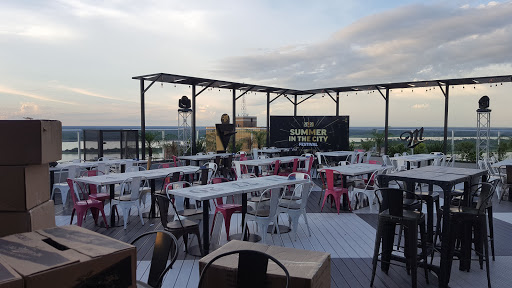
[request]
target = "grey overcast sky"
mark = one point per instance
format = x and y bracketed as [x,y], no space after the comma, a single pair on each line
[73,60]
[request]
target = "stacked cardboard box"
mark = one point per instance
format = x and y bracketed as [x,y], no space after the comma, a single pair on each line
[25,203]
[66,256]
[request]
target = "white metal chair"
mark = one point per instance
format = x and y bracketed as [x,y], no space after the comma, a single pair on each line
[63,187]
[262,215]
[129,197]
[359,157]
[134,169]
[367,189]
[295,205]
[367,156]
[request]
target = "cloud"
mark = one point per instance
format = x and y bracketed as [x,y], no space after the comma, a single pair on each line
[92,94]
[420,106]
[412,42]
[10,91]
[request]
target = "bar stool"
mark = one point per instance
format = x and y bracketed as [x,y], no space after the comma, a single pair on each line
[392,213]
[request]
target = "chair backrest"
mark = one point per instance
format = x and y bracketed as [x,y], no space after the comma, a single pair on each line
[295,164]
[310,160]
[72,190]
[392,199]
[274,200]
[277,163]
[484,191]
[262,157]
[343,163]
[481,164]
[93,189]
[165,245]
[329,178]
[217,180]
[200,153]
[164,165]
[228,162]
[211,153]
[134,169]
[180,184]
[176,161]
[386,160]
[203,175]
[133,185]
[360,156]
[213,168]
[252,268]
[72,171]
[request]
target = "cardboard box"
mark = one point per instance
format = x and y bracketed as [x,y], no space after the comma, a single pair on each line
[24,187]
[8,277]
[40,217]
[70,256]
[306,268]
[30,142]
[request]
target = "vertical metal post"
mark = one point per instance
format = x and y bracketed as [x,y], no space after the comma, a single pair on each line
[295,106]
[80,151]
[193,148]
[453,143]
[386,123]
[445,137]
[337,103]
[233,144]
[142,120]
[268,118]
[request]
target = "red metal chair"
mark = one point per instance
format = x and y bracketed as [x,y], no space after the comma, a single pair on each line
[164,165]
[335,191]
[277,164]
[93,189]
[81,206]
[226,209]
[294,168]
[307,170]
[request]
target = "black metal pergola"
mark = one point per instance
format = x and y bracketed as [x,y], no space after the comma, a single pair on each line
[332,92]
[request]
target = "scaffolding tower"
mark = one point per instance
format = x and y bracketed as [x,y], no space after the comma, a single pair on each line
[483,131]
[184,130]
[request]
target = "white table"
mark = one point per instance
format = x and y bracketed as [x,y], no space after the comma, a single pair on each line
[91,164]
[355,169]
[506,162]
[338,153]
[417,158]
[205,157]
[242,186]
[151,175]
[267,161]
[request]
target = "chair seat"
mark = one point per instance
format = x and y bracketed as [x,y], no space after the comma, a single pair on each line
[259,212]
[190,212]
[100,196]
[291,197]
[292,205]
[257,199]
[89,202]
[470,211]
[127,197]
[229,206]
[426,194]
[408,215]
[185,222]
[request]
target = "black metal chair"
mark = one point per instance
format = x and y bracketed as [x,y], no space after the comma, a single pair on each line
[393,211]
[165,244]
[466,219]
[252,268]
[179,227]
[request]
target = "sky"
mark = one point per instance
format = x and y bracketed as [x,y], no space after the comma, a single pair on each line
[73,60]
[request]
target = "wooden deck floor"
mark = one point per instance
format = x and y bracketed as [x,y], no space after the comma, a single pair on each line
[349,238]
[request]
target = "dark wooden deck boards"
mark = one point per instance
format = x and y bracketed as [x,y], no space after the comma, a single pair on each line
[348,237]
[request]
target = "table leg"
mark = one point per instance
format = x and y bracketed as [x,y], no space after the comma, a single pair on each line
[152,211]
[206,226]
[345,196]
[430,215]
[112,213]
[446,250]
[52,180]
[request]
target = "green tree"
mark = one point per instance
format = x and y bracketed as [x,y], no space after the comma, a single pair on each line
[151,141]
[467,150]
[378,139]
[367,145]
[261,137]
[503,148]
[420,149]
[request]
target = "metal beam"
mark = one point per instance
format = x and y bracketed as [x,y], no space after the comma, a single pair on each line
[205,87]
[245,92]
[233,145]
[286,96]
[295,106]
[268,120]
[152,82]
[445,136]
[378,89]
[281,94]
[306,98]
[193,148]
[330,95]
[386,122]
[142,119]
[337,103]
